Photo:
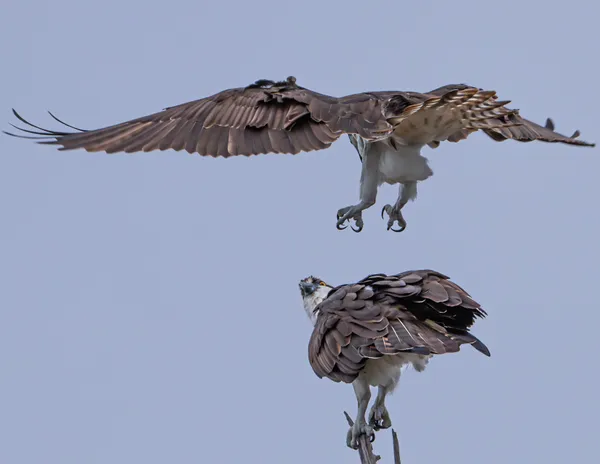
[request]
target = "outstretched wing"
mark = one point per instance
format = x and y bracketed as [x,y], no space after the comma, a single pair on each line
[419,312]
[512,126]
[528,131]
[282,117]
[265,117]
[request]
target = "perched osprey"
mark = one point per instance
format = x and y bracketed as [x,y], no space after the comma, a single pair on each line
[388,129]
[365,332]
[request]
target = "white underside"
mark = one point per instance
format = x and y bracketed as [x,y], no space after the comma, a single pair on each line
[403,164]
[310,302]
[385,371]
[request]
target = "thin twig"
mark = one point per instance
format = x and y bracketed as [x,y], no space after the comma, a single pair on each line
[396,447]
[365,450]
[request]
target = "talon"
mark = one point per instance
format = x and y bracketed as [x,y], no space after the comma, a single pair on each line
[393,217]
[379,418]
[397,230]
[359,225]
[383,210]
[348,214]
[355,432]
[340,221]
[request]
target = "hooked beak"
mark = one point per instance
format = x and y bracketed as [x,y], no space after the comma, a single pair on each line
[306,288]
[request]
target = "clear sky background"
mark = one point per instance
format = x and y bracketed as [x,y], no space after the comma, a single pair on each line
[149,308]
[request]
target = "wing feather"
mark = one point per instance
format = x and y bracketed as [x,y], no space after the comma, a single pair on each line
[512,126]
[197,138]
[127,143]
[528,131]
[288,118]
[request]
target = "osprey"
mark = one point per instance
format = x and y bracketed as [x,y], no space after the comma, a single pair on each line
[388,129]
[365,332]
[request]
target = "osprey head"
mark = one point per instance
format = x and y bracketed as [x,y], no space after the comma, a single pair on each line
[313,290]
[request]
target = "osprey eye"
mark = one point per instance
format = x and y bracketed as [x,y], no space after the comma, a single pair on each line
[322,284]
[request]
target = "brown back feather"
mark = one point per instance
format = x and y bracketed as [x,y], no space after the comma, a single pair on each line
[415,311]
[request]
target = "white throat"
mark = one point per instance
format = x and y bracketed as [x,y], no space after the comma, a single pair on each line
[312,301]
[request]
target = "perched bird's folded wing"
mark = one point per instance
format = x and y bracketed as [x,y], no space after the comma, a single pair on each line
[429,295]
[436,305]
[346,322]
[419,312]
[265,117]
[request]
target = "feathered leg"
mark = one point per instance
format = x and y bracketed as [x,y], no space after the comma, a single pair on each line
[379,417]
[369,182]
[408,191]
[363,395]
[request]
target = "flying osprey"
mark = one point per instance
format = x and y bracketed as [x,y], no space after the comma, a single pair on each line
[365,332]
[388,129]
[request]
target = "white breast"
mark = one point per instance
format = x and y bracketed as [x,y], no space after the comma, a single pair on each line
[406,164]
[312,301]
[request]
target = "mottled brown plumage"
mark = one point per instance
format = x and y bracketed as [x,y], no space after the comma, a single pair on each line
[420,312]
[282,117]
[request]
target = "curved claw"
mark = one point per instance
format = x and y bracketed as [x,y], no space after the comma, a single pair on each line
[338,226]
[348,215]
[393,218]
[379,418]
[381,424]
[401,229]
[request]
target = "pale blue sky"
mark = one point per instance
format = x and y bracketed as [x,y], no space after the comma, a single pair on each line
[149,303]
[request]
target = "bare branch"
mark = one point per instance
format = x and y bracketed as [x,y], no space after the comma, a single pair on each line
[396,447]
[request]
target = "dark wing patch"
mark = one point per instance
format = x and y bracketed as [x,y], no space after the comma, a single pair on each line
[419,312]
[265,117]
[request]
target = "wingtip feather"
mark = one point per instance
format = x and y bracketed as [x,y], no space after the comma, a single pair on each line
[479,346]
